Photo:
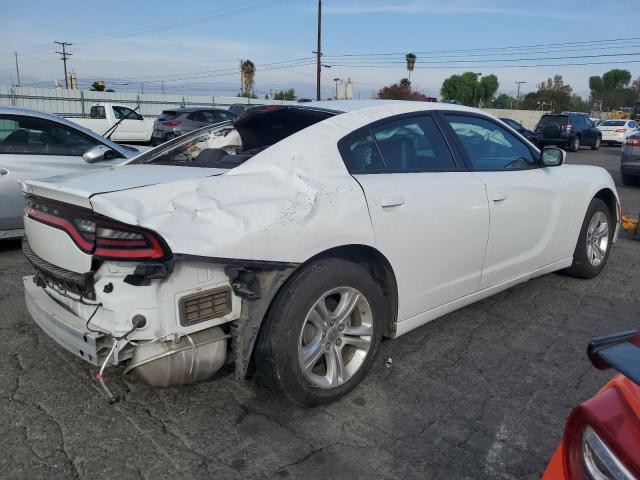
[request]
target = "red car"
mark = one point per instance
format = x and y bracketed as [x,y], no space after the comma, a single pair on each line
[602,436]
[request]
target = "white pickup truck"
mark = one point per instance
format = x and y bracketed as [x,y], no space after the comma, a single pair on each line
[102,116]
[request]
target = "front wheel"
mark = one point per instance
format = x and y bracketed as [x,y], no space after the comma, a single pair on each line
[322,332]
[594,243]
[596,144]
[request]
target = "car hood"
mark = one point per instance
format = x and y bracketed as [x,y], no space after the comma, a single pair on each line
[77,188]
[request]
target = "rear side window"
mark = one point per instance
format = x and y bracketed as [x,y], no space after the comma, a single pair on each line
[490,147]
[633,124]
[97,111]
[168,115]
[412,144]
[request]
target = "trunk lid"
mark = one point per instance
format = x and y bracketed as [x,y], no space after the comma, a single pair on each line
[77,188]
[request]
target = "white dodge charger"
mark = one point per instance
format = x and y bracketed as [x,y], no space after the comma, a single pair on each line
[289,243]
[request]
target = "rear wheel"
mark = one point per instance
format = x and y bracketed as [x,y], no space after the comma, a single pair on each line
[596,144]
[594,243]
[574,145]
[322,332]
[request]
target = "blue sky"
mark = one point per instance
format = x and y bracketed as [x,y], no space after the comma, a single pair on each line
[195,46]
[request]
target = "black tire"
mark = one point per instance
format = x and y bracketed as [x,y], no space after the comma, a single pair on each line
[582,266]
[596,144]
[277,361]
[574,146]
[609,144]
[629,180]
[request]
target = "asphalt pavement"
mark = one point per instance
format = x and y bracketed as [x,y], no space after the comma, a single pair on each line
[480,393]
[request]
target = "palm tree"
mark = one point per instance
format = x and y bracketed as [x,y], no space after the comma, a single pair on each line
[248,71]
[411,62]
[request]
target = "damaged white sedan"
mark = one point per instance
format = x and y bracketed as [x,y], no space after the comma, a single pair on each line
[289,243]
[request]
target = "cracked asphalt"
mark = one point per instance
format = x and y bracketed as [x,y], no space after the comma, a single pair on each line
[480,393]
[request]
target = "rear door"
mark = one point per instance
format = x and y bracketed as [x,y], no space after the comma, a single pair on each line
[529,205]
[430,218]
[31,147]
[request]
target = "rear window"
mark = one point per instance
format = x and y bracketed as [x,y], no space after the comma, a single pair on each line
[559,119]
[613,123]
[168,115]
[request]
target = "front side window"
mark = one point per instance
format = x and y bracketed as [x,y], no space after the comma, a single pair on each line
[490,147]
[223,115]
[36,136]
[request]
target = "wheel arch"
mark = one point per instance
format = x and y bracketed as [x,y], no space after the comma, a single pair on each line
[364,255]
[610,199]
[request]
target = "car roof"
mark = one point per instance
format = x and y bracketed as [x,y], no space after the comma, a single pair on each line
[25,112]
[190,109]
[382,107]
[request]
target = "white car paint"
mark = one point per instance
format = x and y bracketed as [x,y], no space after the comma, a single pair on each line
[614,133]
[134,128]
[451,238]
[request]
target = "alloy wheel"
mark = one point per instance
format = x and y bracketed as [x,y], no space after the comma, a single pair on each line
[336,337]
[597,238]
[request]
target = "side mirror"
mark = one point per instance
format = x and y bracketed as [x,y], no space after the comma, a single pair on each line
[98,154]
[553,157]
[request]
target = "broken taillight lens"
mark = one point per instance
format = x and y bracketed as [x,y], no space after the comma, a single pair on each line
[95,235]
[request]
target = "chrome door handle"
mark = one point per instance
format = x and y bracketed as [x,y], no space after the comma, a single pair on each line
[500,197]
[391,201]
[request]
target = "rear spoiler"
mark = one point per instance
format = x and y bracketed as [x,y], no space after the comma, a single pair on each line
[620,351]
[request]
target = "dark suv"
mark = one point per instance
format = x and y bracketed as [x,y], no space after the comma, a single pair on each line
[567,130]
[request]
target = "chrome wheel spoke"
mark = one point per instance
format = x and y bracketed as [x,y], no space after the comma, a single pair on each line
[335,367]
[361,343]
[359,330]
[597,238]
[310,354]
[348,301]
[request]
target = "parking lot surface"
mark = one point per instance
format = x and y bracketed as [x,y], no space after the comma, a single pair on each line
[480,393]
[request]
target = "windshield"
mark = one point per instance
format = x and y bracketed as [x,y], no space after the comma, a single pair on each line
[559,119]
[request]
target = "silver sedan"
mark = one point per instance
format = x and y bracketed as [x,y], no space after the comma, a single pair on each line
[35,145]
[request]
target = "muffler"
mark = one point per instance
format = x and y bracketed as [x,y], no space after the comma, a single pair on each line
[190,359]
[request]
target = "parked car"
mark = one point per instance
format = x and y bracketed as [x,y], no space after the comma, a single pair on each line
[630,161]
[133,128]
[176,122]
[568,130]
[34,145]
[518,127]
[306,233]
[602,435]
[617,131]
[239,108]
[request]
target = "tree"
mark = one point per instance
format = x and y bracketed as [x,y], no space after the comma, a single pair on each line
[285,95]
[596,85]
[110,90]
[400,91]
[504,101]
[411,62]
[554,94]
[616,78]
[467,89]
[97,86]
[248,73]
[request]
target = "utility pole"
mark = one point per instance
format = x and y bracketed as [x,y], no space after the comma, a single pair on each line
[319,51]
[518,94]
[17,69]
[163,87]
[65,56]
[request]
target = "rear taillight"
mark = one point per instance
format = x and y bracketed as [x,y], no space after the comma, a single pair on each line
[171,124]
[569,127]
[101,237]
[633,142]
[601,439]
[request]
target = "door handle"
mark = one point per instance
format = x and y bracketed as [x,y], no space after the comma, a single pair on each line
[500,197]
[391,201]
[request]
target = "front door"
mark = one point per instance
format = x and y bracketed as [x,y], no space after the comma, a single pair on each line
[529,205]
[430,219]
